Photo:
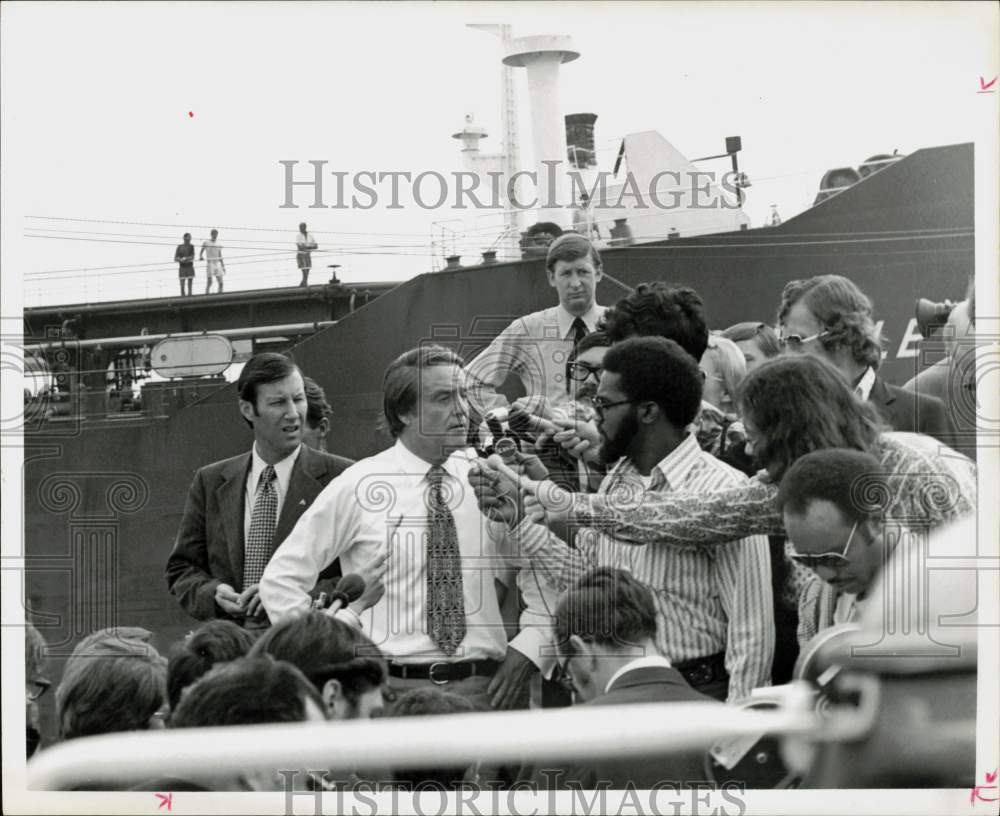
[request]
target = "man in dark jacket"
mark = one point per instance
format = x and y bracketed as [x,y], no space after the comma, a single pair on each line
[605,630]
[239,510]
[829,317]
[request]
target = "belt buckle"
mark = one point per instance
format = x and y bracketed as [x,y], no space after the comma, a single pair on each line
[432,678]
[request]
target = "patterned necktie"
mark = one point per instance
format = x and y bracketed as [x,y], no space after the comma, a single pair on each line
[579,331]
[262,523]
[445,601]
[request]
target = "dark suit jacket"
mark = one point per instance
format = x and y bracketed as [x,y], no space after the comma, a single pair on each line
[208,549]
[916,413]
[652,684]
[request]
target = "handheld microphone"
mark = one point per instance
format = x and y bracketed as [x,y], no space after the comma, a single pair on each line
[348,589]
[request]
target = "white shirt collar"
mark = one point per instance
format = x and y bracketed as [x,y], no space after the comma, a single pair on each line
[639,663]
[417,466]
[864,387]
[282,470]
[590,318]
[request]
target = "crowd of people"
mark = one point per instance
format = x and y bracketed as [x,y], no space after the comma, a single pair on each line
[669,515]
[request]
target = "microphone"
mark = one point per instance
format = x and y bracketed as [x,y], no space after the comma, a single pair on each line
[348,589]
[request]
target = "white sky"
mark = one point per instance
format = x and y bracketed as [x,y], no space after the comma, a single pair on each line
[96,100]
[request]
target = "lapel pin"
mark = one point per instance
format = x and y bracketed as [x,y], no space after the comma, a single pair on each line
[302,501]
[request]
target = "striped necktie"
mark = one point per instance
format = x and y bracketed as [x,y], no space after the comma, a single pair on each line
[445,600]
[262,523]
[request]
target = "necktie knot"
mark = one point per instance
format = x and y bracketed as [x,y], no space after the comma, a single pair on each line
[268,476]
[435,478]
[578,330]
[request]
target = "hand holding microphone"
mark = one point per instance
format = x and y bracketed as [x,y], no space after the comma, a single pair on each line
[348,589]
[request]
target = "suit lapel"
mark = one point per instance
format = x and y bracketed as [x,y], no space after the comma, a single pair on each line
[230,495]
[303,488]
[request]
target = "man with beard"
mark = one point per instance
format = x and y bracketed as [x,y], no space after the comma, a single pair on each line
[714,612]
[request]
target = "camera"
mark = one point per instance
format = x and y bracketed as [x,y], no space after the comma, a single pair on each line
[931,315]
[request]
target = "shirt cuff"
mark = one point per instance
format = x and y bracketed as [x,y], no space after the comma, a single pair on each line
[347,615]
[536,645]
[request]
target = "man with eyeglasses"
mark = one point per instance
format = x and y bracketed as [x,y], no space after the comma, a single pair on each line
[714,611]
[829,317]
[834,534]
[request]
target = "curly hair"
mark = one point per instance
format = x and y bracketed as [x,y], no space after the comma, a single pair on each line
[660,309]
[801,403]
[844,311]
[217,641]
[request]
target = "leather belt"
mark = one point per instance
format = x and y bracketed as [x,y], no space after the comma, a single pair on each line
[704,670]
[444,672]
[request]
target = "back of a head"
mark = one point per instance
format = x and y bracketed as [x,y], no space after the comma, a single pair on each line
[658,370]
[608,608]
[324,648]
[800,403]
[760,333]
[853,481]
[317,406]
[246,691]
[214,642]
[114,681]
[844,311]
[421,702]
[664,310]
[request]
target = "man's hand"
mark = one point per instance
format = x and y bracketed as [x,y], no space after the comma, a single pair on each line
[373,572]
[497,497]
[580,439]
[250,601]
[546,503]
[229,600]
[510,686]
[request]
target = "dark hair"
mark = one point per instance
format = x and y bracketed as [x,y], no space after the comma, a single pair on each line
[664,310]
[113,681]
[571,246]
[844,311]
[216,641]
[399,386]
[421,702]
[186,235]
[849,479]
[316,405]
[544,228]
[246,691]
[324,648]
[800,403]
[261,369]
[596,339]
[607,606]
[763,334]
[658,370]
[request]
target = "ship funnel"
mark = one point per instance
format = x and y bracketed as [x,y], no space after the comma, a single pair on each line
[541,57]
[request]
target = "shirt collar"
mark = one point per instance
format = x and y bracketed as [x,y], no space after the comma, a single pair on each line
[864,387]
[674,467]
[417,466]
[282,469]
[590,318]
[646,662]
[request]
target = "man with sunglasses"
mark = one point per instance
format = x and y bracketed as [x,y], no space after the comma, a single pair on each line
[834,534]
[829,317]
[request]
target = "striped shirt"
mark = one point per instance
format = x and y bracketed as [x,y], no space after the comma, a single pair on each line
[707,601]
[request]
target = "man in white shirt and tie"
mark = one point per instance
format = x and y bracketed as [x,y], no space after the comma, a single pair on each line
[536,347]
[240,509]
[439,621]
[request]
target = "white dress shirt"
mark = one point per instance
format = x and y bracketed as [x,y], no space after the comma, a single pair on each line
[381,502]
[535,348]
[283,475]
[863,389]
